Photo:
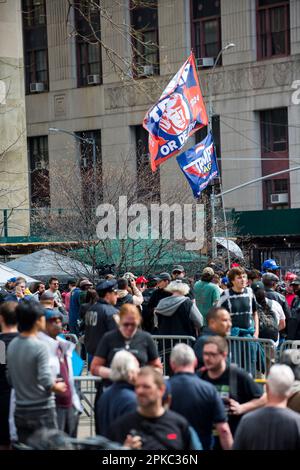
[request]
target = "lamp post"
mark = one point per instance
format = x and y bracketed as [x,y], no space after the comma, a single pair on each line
[212,196]
[89,140]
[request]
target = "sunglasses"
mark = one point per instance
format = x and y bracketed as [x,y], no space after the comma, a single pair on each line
[54,320]
[128,325]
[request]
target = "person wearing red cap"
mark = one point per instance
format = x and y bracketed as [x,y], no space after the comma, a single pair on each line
[291,294]
[141,283]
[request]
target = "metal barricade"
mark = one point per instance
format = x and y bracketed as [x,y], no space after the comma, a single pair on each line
[75,340]
[288,344]
[85,386]
[255,356]
[165,345]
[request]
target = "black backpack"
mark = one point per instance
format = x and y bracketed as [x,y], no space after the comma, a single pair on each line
[268,328]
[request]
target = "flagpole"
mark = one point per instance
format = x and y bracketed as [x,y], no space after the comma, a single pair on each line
[212,196]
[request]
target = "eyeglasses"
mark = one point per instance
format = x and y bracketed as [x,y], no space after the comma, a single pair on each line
[129,325]
[210,354]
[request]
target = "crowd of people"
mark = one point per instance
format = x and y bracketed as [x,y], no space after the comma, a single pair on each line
[206,402]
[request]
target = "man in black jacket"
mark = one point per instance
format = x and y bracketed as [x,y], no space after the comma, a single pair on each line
[101,317]
[163,280]
[270,281]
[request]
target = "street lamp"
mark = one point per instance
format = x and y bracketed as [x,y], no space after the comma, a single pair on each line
[210,107]
[89,140]
[212,196]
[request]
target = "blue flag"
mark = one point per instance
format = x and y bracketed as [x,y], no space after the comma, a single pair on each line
[199,165]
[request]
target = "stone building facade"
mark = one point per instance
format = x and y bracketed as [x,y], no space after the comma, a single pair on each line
[252,91]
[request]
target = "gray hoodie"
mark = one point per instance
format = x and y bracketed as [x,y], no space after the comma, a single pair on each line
[169,305]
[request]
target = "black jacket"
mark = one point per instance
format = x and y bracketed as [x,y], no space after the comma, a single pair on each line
[174,317]
[99,319]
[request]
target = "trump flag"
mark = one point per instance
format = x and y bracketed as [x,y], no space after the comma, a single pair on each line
[179,112]
[199,165]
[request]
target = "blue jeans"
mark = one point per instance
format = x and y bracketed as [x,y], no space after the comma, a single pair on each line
[28,421]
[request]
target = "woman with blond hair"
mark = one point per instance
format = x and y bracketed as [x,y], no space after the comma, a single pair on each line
[128,337]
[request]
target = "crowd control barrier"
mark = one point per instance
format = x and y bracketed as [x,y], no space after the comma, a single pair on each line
[86,388]
[166,343]
[255,356]
[288,344]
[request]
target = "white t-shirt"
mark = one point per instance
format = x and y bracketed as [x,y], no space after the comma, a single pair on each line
[277,309]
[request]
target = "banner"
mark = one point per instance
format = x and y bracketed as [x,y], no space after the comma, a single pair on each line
[179,112]
[199,165]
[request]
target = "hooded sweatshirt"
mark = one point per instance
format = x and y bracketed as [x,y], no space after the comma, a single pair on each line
[178,315]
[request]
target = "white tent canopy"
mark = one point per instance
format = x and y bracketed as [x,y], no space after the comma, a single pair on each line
[46,263]
[233,247]
[6,273]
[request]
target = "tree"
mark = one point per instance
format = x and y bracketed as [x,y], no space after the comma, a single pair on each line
[77,225]
[97,24]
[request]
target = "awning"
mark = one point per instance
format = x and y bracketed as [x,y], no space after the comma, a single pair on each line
[6,273]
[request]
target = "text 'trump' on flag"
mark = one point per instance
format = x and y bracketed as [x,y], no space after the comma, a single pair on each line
[199,165]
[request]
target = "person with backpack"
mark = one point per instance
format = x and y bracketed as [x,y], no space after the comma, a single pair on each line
[236,387]
[270,314]
[240,302]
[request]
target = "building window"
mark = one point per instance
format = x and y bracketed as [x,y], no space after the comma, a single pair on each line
[39,171]
[276,193]
[206,28]
[35,46]
[275,157]
[273,28]
[148,183]
[88,42]
[144,23]
[91,167]
[202,133]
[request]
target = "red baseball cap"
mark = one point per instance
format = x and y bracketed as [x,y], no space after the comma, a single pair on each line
[235,265]
[141,280]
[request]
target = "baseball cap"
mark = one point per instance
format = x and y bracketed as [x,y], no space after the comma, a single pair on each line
[52,313]
[270,277]
[85,282]
[270,264]
[208,270]
[107,286]
[179,268]
[129,276]
[141,279]
[164,277]
[290,276]
[12,279]
[225,280]
[235,265]
[257,285]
